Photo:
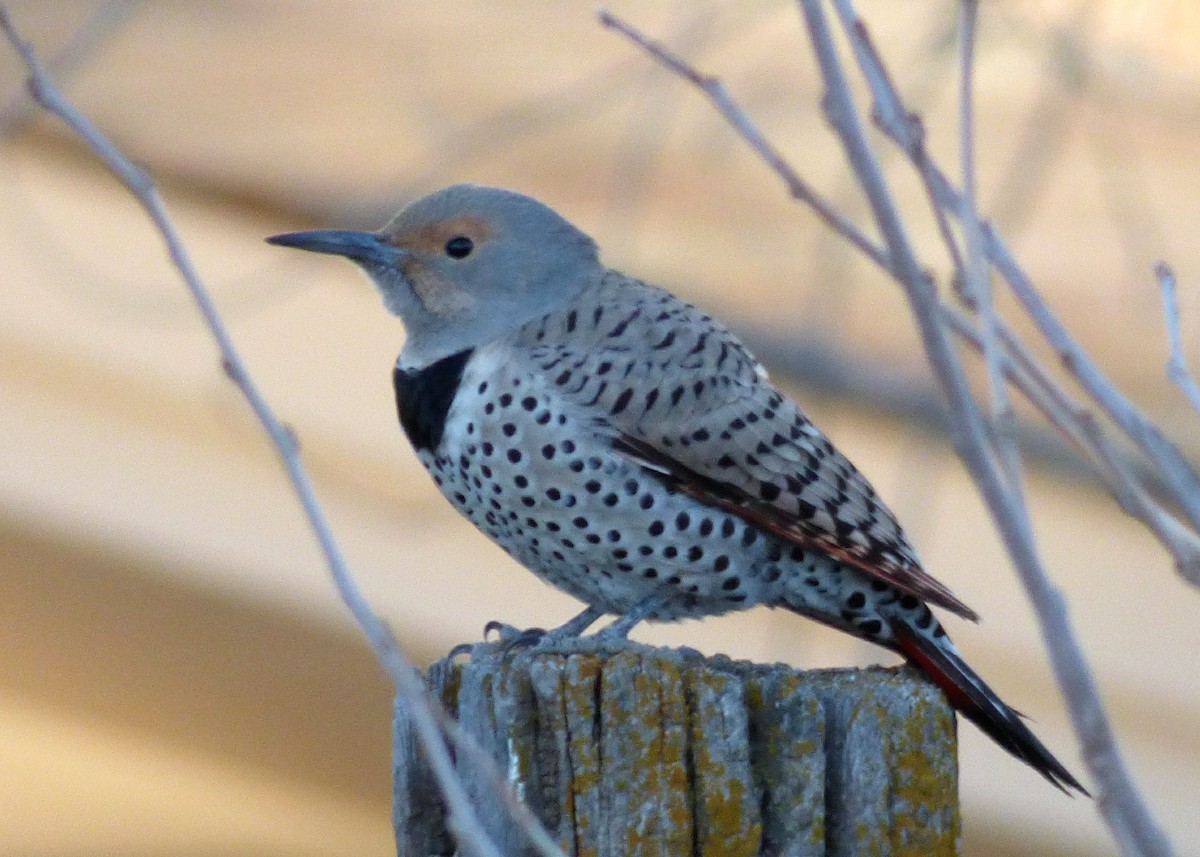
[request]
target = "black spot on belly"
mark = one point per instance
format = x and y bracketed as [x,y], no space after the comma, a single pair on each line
[424,397]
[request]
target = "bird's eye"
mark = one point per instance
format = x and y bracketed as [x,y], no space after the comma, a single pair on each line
[459,247]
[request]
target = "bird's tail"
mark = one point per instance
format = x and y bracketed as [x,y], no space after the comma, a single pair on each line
[970,695]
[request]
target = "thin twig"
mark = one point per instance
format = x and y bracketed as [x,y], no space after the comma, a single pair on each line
[716,92]
[1177,369]
[967,431]
[463,821]
[1080,425]
[975,275]
[1112,465]
[1181,541]
[891,115]
[1173,469]
[907,132]
[1120,803]
[103,21]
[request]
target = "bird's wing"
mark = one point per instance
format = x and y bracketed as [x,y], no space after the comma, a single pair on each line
[677,393]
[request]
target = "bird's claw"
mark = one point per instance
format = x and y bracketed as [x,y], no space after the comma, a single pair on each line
[509,637]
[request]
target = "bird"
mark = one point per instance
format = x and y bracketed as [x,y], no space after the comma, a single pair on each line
[627,448]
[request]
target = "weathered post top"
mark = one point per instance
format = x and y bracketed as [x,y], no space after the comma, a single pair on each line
[643,751]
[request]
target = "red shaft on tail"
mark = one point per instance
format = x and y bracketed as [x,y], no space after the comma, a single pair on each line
[971,696]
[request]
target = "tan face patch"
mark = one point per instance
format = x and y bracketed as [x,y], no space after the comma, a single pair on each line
[432,237]
[439,295]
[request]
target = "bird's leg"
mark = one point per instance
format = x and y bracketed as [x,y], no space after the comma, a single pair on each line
[620,629]
[572,628]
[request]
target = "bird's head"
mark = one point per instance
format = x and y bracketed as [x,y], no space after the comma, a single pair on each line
[465,265]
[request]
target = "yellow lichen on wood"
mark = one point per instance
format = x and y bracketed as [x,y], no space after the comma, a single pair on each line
[920,778]
[643,742]
[581,681]
[724,790]
[644,751]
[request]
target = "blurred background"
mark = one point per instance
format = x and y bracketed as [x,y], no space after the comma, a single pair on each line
[176,673]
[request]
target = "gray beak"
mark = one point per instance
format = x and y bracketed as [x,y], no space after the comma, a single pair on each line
[362,247]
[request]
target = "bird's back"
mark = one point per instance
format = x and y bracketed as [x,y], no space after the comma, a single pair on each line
[674,390]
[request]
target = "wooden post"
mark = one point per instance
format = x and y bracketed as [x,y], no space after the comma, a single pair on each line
[640,751]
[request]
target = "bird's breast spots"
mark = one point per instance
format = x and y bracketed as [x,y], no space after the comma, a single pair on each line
[424,397]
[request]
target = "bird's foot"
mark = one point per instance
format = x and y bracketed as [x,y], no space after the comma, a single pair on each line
[566,638]
[510,637]
[507,638]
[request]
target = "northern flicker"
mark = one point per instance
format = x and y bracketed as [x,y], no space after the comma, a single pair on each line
[627,448]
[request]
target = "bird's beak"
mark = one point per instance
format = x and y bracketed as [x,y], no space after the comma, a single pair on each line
[362,247]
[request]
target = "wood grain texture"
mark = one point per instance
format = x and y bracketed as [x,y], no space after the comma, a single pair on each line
[642,751]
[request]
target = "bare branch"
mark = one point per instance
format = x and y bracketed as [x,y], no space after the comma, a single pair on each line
[1177,538]
[1174,470]
[1131,821]
[1081,425]
[462,817]
[969,436]
[975,275]
[1177,369]
[967,431]
[1084,430]
[748,131]
[1119,802]
[104,20]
